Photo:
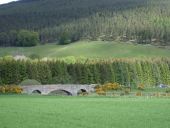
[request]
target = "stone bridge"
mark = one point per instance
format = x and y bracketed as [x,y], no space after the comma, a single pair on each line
[72,90]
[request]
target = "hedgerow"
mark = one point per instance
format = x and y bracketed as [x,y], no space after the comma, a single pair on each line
[128,72]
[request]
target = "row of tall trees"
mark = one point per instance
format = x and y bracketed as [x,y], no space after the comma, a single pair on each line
[127,72]
[23,38]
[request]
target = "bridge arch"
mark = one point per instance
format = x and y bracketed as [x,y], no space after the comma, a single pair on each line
[82,92]
[60,92]
[36,92]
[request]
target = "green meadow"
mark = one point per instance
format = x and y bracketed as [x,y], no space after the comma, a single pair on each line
[92,49]
[83,112]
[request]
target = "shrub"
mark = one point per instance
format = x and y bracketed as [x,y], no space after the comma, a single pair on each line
[138,94]
[8,58]
[101,90]
[126,89]
[69,59]
[34,56]
[11,89]
[122,94]
[111,86]
[101,93]
[167,90]
[141,87]
[2,89]
[30,82]
[164,94]
[97,86]
[157,94]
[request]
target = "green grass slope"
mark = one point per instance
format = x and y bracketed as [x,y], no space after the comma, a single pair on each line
[83,112]
[95,49]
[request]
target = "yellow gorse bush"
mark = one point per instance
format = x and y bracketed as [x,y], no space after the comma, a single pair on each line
[111,86]
[138,94]
[101,90]
[11,89]
[141,87]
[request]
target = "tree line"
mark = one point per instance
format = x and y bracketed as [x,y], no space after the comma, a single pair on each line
[129,72]
[22,38]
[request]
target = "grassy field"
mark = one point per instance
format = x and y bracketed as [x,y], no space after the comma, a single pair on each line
[83,112]
[96,49]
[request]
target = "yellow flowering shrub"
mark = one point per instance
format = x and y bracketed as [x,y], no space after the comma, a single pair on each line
[138,94]
[101,90]
[11,89]
[111,86]
[2,89]
[141,87]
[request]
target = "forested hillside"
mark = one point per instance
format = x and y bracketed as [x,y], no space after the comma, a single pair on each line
[66,21]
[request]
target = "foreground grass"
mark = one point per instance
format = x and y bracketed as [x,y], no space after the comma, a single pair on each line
[83,112]
[93,49]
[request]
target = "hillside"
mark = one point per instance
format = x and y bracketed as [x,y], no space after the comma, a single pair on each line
[37,14]
[144,22]
[95,49]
